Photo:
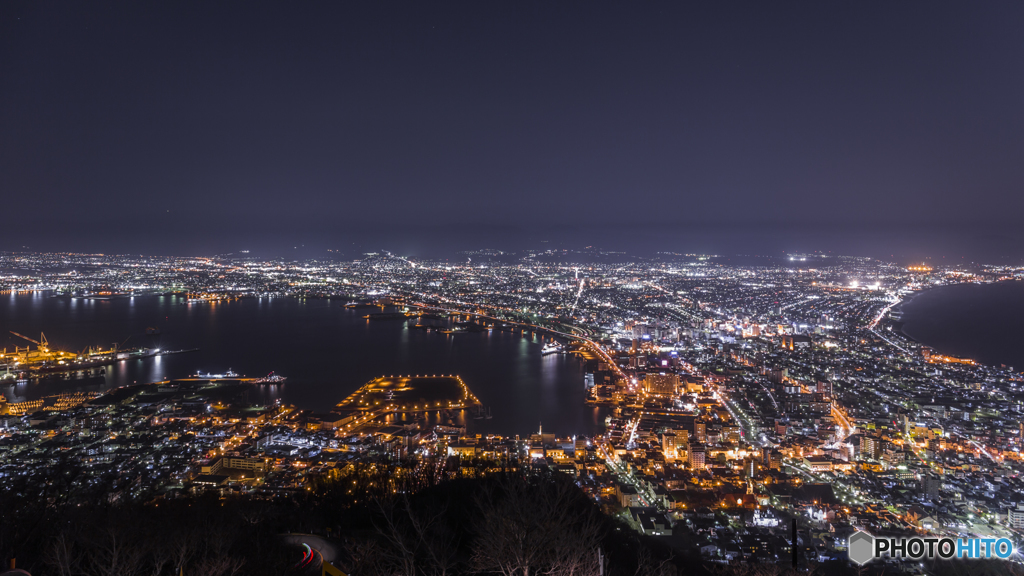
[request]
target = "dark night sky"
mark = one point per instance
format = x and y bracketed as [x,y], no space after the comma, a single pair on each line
[865,127]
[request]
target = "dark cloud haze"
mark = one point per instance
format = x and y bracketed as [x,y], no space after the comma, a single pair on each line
[864,127]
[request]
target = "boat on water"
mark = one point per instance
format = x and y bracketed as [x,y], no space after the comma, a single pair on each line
[271,378]
[198,298]
[550,348]
[355,304]
[97,358]
[225,376]
[387,316]
[45,361]
[465,328]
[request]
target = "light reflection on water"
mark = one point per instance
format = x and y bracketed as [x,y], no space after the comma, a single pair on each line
[325,350]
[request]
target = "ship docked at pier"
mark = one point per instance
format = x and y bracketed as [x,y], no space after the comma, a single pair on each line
[272,378]
[45,361]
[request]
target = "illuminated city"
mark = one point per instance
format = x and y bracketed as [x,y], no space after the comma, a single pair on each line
[740,397]
[530,288]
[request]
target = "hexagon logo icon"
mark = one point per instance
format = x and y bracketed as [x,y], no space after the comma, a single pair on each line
[861,547]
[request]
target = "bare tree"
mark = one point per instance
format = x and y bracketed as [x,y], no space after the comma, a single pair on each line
[401,549]
[648,565]
[573,551]
[64,555]
[114,552]
[367,557]
[529,525]
[160,555]
[437,545]
[184,545]
[418,541]
[220,566]
[513,532]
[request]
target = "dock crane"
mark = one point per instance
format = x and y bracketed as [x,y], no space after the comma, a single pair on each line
[27,356]
[42,343]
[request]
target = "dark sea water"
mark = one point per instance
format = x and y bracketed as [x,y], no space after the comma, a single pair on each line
[980,321]
[326,351]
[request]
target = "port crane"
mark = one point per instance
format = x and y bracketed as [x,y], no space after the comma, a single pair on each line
[27,355]
[42,343]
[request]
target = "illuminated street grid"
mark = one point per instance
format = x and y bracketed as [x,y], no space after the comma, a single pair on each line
[742,397]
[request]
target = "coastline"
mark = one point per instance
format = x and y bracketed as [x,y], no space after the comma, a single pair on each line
[935,338]
[505,370]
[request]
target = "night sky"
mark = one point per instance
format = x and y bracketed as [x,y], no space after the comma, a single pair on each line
[751,128]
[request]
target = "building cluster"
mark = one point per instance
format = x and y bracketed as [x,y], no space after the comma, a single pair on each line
[741,397]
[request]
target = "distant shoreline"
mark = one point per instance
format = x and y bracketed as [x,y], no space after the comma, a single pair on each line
[945,349]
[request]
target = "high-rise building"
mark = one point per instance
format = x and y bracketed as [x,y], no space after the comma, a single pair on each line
[668,445]
[682,437]
[1015,518]
[697,457]
[700,431]
[661,384]
[870,447]
[781,427]
[580,448]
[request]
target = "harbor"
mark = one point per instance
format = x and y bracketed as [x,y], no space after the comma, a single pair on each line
[443,399]
[46,361]
[325,349]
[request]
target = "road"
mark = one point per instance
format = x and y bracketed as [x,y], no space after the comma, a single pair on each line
[646,496]
[324,550]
